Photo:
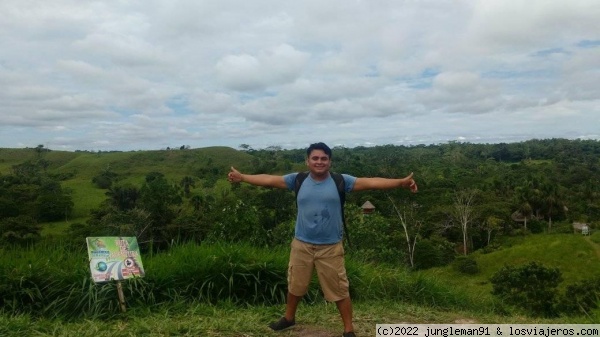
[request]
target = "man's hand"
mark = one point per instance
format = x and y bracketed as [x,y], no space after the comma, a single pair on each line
[378,183]
[234,176]
[265,180]
[411,183]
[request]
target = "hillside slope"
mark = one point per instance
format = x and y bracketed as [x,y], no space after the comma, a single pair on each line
[82,167]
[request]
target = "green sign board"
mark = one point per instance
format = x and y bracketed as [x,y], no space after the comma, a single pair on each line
[114,258]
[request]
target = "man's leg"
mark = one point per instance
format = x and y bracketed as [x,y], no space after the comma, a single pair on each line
[331,269]
[289,319]
[300,271]
[291,305]
[345,308]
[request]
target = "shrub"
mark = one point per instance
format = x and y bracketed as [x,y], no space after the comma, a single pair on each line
[532,287]
[373,238]
[490,248]
[102,181]
[433,252]
[536,226]
[581,297]
[465,265]
[19,229]
[562,228]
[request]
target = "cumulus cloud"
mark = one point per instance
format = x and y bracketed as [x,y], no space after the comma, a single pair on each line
[269,68]
[125,75]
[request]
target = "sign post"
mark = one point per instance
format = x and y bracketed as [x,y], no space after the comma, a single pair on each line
[114,259]
[121,296]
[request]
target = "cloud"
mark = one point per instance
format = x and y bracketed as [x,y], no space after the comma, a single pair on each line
[271,67]
[145,75]
[506,25]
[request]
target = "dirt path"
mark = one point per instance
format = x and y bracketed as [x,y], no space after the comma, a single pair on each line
[308,331]
[314,331]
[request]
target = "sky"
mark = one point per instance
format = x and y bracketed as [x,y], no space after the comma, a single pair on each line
[148,75]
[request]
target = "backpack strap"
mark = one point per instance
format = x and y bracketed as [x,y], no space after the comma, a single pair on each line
[300,177]
[341,188]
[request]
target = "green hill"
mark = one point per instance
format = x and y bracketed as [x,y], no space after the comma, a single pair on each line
[575,255]
[131,167]
[441,171]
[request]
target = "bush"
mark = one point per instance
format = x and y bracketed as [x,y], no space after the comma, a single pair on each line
[435,252]
[581,297]
[465,265]
[373,238]
[102,181]
[490,248]
[537,226]
[562,228]
[20,229]
[532,287]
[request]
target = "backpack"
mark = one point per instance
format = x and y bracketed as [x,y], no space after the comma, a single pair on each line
[341,187]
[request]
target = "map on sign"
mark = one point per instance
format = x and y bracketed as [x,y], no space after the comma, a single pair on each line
[114,258]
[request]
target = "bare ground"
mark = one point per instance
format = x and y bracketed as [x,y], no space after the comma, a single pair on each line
[314,331]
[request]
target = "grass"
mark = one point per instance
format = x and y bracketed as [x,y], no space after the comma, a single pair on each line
[58,228]
[52,280]
[570,253]
[175,297]
[226,319]
[132,167]
[86,196]
[176,302]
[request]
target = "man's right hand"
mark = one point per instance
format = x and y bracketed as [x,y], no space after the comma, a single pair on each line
[234,176]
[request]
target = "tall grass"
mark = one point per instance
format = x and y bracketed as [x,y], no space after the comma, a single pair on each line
[53,280]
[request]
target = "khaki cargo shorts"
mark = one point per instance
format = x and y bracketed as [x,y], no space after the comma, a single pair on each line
[331,270]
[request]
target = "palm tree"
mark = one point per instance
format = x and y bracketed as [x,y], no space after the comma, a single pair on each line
[196,201]
[551,200]
[187,182]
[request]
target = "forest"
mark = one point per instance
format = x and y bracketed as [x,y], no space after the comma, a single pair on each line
[469,194]
[209,241]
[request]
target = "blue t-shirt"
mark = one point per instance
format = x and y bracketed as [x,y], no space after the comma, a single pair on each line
[319,219]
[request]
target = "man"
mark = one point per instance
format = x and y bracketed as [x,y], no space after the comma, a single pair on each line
[317,242]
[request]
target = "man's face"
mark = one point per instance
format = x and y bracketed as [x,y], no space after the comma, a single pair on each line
[318,162]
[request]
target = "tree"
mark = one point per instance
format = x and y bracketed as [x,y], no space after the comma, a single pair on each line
[406,216]
[552,201]
[196,200]
[39,150]
[26,172]
[524,196]
[245,147]
[19,229]
[123,197]
[464,212]
[187,182]
[490,224]
[105,179]
[53,202]
[532,286]
[8,207]
[159,198]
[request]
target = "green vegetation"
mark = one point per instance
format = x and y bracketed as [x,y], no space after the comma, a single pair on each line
[531,286]
[237,287]
[215,253]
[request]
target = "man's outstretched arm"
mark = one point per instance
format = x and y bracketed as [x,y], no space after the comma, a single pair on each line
[408,182]
[265,180]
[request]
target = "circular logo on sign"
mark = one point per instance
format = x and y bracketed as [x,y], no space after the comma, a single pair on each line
[129,262]
[101,266]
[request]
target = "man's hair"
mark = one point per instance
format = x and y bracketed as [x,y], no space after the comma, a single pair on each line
[319,146]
